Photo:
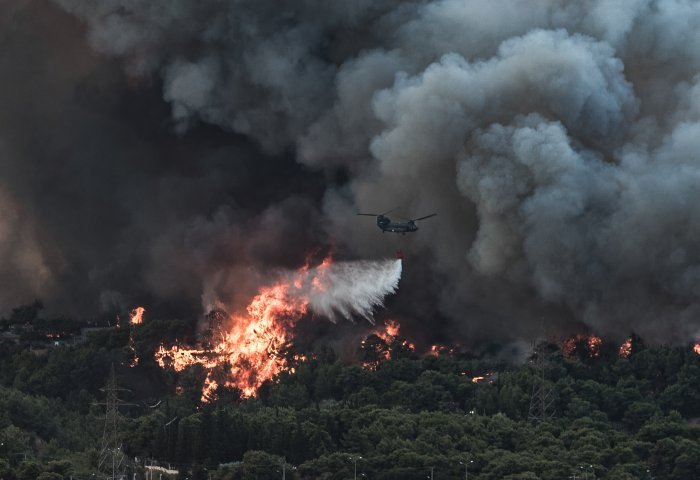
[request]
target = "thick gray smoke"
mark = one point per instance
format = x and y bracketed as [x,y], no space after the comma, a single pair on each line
[557,140]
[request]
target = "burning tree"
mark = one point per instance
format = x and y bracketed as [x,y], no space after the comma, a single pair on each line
[248,348]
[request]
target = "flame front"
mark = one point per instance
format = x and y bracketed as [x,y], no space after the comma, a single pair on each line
[249,348]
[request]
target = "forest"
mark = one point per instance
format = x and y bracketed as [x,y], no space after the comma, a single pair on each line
[391,414]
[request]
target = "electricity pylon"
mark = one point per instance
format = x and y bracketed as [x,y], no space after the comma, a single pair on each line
[112,462]
[541,402]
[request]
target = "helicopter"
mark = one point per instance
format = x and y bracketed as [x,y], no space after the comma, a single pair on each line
[386,225]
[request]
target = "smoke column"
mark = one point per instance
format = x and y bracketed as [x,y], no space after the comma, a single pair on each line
[170,146]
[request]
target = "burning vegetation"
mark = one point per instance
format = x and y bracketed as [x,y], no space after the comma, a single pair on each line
[245,349]
[242,350]
[136,316]
[582,346]
[383,341]
[251,348]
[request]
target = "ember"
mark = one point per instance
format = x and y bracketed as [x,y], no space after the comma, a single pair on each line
[626,348]
[582,345]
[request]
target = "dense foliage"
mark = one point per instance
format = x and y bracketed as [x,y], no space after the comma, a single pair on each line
[617,418]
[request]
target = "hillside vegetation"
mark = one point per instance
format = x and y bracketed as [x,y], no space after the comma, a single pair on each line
[616,418]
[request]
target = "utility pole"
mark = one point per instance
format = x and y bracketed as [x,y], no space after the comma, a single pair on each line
[432,469]
[585,469]
[542,396]
[466,468]
[112,463]
[355,459]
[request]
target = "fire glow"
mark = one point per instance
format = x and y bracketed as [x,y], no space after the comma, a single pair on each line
[626,348]
[136,316]
[388,333]
[252,346]
[439,350]
[588,345]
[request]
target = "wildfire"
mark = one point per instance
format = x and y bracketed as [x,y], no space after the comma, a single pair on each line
[594,344]
[387,332]
[251,347]
[696,348]
[438,350]
[379,352]
[251,350]
[136,316]
[626,348]
[589,345]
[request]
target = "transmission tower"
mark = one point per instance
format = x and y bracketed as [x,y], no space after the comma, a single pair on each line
[112,462]
[541,408]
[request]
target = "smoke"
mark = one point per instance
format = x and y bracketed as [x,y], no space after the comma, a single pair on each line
[171,147]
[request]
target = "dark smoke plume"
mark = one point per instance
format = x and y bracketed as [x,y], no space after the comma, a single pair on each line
[186,146]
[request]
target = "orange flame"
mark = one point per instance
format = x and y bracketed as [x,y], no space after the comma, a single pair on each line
[251,350]
[438,350]
[588,345]
[594,344]
[136,316]
[626,348]
[488,377]
[388,333]
[696,348]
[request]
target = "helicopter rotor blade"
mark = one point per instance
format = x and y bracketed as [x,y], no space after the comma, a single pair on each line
[423,218]
[370,214]
[389,211]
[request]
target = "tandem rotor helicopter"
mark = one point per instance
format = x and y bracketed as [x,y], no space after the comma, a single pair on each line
[386,225]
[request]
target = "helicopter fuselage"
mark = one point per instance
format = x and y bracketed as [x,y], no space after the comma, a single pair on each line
[386,225]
